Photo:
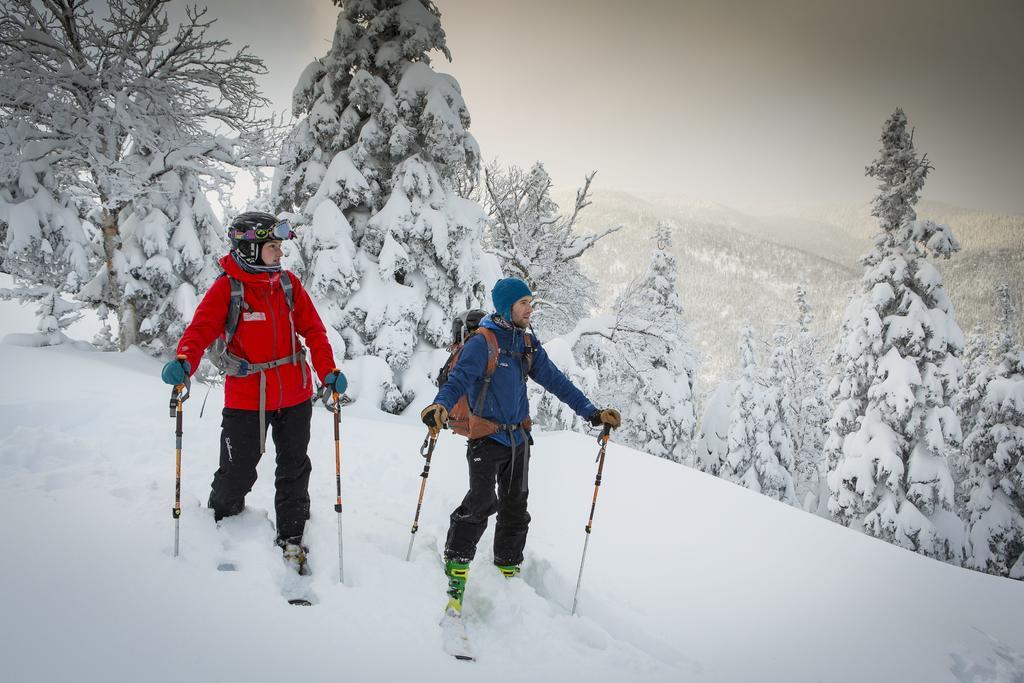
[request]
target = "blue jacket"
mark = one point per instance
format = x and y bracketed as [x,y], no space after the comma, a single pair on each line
[506,401]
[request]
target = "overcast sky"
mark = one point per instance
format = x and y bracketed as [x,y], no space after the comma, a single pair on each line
[757,104]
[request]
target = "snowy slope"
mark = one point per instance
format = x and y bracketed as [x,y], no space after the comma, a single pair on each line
[687,578]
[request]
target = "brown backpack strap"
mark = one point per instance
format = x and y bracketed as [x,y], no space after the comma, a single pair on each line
[492,350]
[492,365]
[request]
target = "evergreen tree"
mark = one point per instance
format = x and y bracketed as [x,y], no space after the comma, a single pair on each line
[536,243]
[978,365]
[806,408]
[638,358]
[712,447]
[391,251]
[54,312]
[43,240]
[994,450]
[898,369]
[760,454]
[112,113]
[170,240]
[657,360]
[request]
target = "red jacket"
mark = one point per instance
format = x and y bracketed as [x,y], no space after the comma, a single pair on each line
[262,336]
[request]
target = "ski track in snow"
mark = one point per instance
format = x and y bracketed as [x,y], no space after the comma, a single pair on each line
[687,577]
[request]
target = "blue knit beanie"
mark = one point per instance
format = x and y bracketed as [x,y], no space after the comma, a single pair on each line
[506,292]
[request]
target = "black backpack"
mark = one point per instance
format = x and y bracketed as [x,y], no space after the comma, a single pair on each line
[464,325]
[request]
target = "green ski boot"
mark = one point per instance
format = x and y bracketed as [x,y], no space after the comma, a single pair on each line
[508,570]
[456,571]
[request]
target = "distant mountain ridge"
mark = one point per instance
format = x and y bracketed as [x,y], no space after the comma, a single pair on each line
[736,267]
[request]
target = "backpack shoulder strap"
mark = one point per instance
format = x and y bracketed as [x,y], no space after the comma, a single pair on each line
[286,285]
[492,365]
[492,349]
[234,307]
[529,341]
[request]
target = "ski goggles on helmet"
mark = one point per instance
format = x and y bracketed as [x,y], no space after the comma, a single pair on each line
[280,231]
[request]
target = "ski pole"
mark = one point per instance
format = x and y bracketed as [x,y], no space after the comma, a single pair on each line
[427,451]
[336,409]
[603,440]
[179,394]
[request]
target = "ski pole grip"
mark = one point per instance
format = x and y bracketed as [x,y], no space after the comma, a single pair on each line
[183,390]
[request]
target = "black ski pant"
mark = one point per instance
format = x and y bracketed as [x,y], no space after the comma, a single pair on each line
[240,453]
[492,464]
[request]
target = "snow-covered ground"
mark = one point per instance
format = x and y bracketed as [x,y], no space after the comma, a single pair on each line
[687,577]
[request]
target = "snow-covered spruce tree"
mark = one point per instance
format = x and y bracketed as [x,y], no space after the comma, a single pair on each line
[809,408]
[898,367]
[978,365]
[779,381]
[536,243]
[54,312]
[994,452]
[760,454]
[43,241]
[390,250]
[115,112]
[712,447]
[656,360]
[170,240]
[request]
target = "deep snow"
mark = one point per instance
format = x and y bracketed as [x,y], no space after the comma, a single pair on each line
[687,578]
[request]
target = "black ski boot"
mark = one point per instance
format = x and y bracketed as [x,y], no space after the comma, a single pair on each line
[294,554]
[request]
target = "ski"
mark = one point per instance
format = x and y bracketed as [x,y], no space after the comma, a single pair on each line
[297,583]
[298,589]
[454,638]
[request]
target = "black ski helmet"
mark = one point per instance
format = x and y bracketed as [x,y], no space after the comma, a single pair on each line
[250,230]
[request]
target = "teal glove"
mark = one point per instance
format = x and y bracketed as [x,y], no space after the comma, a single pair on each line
[175,372]
[335,381]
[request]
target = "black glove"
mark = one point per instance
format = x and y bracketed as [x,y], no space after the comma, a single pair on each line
[607,416]
[434,416]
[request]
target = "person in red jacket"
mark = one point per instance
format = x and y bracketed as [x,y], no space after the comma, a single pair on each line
[268,381]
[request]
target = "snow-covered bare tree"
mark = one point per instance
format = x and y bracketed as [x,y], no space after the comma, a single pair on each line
[127,121]
[994,453]
[536,243]
[391,251]
[898,368]
[760,453]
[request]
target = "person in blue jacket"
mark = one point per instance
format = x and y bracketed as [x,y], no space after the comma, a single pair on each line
[501,459]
